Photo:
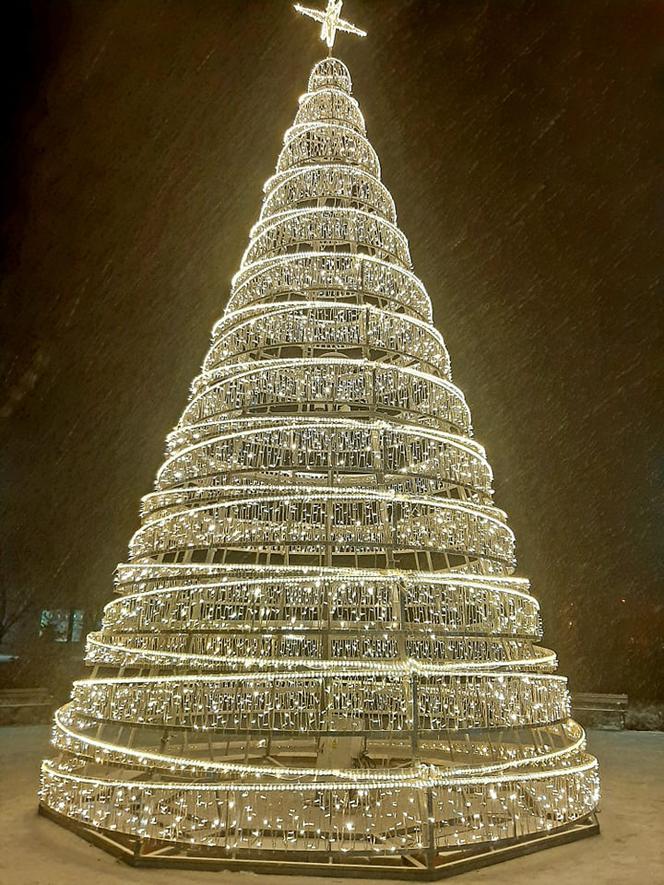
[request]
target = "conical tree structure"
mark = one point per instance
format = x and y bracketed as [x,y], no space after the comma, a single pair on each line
[319,649]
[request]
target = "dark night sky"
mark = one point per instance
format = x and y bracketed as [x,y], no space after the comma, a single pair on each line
[518,139]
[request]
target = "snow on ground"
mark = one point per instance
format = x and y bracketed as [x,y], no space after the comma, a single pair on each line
[630,850]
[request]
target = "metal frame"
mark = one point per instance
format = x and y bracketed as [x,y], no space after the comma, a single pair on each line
[428,866]
[319,649]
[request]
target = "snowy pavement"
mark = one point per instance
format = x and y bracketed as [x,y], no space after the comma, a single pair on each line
[35,851]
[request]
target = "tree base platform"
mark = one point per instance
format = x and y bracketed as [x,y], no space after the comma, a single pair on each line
[425,866]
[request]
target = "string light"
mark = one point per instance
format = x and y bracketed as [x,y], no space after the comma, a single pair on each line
[319,644]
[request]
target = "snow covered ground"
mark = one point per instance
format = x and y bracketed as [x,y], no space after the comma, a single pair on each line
[35,851]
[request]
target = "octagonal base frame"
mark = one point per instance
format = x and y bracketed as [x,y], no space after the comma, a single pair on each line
[425,866]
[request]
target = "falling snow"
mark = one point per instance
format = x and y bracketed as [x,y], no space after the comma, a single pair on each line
[518,141]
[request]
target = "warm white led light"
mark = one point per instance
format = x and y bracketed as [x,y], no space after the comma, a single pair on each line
[319,644]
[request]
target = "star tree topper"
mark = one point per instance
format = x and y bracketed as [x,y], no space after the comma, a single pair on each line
[331,21]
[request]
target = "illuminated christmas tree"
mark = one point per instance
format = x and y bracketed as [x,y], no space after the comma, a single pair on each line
[319,652]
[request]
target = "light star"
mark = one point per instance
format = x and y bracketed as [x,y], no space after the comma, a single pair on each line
[331,21]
